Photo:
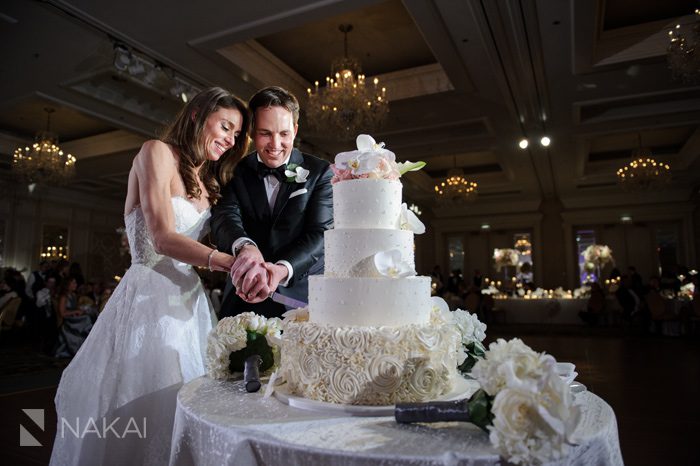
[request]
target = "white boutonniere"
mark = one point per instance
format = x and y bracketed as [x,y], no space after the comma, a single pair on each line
[296,173]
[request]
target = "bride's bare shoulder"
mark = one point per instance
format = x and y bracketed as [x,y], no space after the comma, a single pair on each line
[155,153]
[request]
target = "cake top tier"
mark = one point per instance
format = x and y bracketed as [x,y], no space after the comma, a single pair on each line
[370,160]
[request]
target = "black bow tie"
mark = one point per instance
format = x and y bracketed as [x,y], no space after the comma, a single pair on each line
[264,170]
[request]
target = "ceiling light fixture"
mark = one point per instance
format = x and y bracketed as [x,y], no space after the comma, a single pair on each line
[643,172]
[523,143]
[545,141]
[683,50]
[152,75]
[44,162]
[455,187]
[346,106]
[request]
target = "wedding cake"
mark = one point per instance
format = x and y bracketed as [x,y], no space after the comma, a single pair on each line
[373,335]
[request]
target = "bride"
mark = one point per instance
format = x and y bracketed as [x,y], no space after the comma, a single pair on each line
[116,399]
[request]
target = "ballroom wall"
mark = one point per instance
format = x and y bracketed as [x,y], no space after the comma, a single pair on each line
[91,223]
[553,229]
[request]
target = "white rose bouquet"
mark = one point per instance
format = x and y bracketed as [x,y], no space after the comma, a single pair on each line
[235,338]
[505,258]
[473,332]
[524,405]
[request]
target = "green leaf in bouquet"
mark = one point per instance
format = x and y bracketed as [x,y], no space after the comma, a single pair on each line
[255,344]
[475,351]
[480,409]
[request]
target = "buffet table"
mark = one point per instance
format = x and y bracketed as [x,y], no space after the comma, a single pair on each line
[217,422]
[541,310]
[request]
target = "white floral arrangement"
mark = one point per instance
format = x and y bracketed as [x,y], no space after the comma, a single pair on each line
[471,329]
[687,291]
[597,255]
[235,338]
[526,407]
[505,257]
[582,292]
[370,160]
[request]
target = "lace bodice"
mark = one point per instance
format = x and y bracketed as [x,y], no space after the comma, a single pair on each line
[188,221]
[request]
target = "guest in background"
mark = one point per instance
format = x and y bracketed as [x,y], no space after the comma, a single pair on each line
[46,304]
[37,279]
[595,307]
[438,279]
[76,272]
[637,285]
[74,323]
[477,279]
[453,281]
[628,299]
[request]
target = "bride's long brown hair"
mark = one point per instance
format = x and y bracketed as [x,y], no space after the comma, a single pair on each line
[185,135]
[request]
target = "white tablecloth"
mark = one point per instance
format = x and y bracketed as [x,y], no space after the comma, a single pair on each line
[541,311]
[218,423]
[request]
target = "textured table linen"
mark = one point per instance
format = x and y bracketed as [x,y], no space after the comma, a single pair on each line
[218,423]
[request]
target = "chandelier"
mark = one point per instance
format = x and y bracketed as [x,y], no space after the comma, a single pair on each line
[44,161]
[683,53]
[346,106]
[455,188]
[643,172]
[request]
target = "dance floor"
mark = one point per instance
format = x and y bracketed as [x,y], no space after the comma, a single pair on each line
[652,383]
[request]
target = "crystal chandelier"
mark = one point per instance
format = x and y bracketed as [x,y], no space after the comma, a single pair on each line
[455,188]
[346,106]
[643,172]
[683,53]
[44,161]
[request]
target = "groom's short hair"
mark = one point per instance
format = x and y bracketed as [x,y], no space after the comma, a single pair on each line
[274,96]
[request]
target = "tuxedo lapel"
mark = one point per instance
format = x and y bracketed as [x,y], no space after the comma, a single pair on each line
[287,188]
[256,187]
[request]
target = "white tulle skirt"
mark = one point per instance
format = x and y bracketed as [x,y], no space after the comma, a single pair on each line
[116,399]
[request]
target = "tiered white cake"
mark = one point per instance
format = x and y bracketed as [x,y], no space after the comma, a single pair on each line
[370,338]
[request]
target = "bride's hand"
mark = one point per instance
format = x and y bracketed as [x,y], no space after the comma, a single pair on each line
[221,262]
[258,290]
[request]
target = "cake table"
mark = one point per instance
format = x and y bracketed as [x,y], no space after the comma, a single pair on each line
[217,422]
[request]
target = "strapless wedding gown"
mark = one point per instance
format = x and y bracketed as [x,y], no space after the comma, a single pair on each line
[116,399]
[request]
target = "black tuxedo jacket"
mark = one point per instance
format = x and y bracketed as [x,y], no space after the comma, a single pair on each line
[292,232]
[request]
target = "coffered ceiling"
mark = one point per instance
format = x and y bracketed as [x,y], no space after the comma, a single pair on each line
[465,79]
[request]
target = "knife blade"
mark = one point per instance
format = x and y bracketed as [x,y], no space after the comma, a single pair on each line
[286,300]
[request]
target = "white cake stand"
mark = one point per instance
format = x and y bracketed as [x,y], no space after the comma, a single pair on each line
[462,388]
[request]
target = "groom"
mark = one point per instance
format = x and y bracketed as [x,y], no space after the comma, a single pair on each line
[273,221]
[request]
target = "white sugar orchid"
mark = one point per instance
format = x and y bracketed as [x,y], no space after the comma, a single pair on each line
[359,163]
[367,144]
[391,264]
[299,174]
[409,221]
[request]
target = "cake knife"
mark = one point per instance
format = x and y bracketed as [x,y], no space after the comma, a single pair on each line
[286,300]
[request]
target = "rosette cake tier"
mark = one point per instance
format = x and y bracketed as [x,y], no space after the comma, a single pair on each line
[372,337]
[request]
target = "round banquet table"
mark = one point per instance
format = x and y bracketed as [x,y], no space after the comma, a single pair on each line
[218,423]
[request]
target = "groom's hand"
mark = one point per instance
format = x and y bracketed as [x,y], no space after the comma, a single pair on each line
[276,273]
[247,269]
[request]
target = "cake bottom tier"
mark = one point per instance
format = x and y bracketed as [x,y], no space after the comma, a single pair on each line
[369,365]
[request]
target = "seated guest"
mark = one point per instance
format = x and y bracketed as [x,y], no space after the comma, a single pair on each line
[74,323]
